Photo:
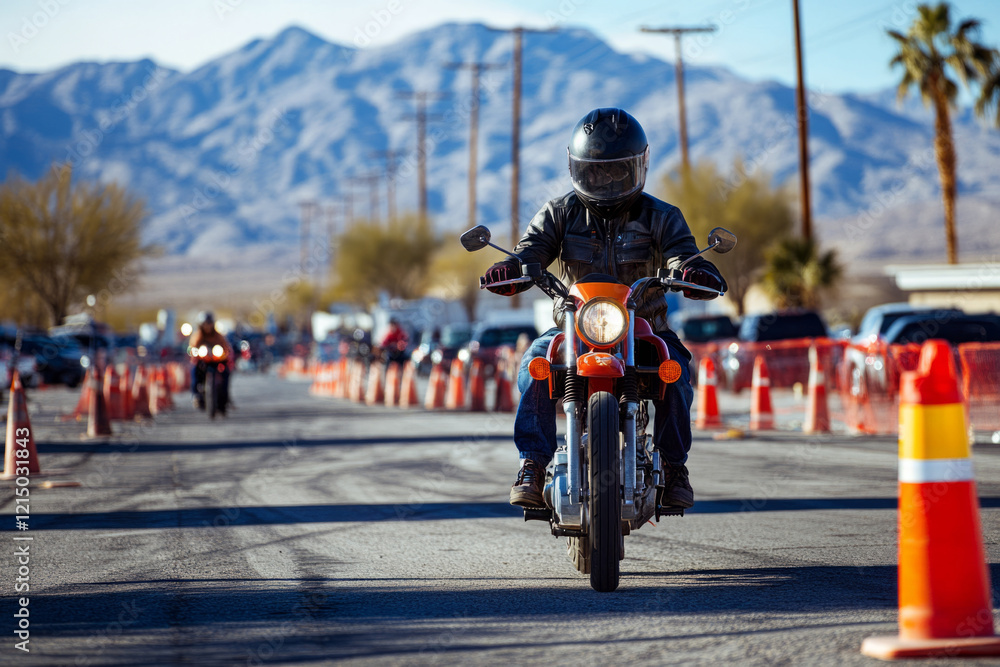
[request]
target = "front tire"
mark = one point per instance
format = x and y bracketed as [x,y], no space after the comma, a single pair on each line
[604,456]
[211,397]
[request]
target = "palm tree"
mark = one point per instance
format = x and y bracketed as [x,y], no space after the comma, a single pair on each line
[797,274]
[929,52]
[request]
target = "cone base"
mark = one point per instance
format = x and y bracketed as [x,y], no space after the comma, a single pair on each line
[44,473]
[893,647]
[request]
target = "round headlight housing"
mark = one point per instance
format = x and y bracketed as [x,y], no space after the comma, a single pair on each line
[602,322]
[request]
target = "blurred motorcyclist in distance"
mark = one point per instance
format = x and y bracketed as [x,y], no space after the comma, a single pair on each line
[205,334]
[394,342]
[607,225]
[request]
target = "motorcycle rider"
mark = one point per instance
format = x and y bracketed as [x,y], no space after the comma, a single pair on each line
[607,225]
[207,335]
[395,341]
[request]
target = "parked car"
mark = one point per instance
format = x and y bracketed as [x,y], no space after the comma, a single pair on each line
[787,363]
[883,364]
[705,335]
[440,346]
[488,339]
[58,360]
[706,328]
[863,350]
[27,368]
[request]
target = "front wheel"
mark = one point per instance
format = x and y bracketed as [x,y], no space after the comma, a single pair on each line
[604,456]
[211,395]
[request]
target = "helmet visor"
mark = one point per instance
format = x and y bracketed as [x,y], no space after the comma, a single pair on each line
[607,180]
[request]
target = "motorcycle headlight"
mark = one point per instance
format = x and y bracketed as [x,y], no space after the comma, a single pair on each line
[203,351]
[602,322]
[217,351]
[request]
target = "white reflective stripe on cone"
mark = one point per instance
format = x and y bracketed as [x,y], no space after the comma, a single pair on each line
[918,471]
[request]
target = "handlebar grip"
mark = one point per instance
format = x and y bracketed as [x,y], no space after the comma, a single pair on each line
[513,281]
[678,285]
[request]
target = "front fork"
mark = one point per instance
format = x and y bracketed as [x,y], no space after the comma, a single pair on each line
[574,467]
[628,428]
[570,407]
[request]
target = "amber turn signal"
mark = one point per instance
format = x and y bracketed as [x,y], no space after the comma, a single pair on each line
[670,371]
[539,368]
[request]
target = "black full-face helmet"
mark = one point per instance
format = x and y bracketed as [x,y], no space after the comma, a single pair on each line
[608,160]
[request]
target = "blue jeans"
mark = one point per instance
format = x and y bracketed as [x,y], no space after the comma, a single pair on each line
[535,422]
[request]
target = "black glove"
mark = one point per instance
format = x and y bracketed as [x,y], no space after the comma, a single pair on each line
[508,269]
[702,277]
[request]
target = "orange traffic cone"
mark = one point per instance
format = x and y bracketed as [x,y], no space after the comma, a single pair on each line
[817,412]
[944,585]
[434,399]
[356,392]
[140,393]
[19,452]
[98,424]
[163,399]
[455,400]
[408,396]
[761,414]
[708,401]
[343,379]
[83,405]
[318,387]
[477,387]
[125,387]
[376,393]
[113,394]
[153,390]
[392,382]
[167,393]
[505,392]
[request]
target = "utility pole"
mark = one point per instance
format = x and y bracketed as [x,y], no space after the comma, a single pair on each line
[802,113]
[420,98]
[372,181]
[390,157]
[348,209]
[679,69]
[330,212]
[306,209]
[515,139]
[477,68]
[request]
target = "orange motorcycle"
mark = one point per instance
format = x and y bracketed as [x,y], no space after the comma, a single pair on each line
[605,365]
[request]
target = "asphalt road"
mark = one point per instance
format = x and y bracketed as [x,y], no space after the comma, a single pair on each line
[306,530]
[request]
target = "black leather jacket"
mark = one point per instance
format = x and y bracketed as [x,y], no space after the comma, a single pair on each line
[651,236]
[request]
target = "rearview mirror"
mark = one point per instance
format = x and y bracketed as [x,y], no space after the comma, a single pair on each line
[721,240]
[476,238]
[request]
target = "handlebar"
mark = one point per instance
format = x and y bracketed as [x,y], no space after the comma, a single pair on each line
[512,281]
[552,286]
[678,285]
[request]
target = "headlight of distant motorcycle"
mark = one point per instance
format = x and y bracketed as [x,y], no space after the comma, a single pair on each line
[217,351]
[602,322]
[203,351]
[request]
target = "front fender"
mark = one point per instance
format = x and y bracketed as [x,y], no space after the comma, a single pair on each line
[599,365]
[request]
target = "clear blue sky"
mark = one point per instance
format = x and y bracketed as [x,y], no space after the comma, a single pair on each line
[845,43]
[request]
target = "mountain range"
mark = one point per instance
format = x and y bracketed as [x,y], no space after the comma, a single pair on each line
[224,154]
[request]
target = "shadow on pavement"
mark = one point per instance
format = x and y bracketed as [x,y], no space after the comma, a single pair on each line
[154,447]
[331,619]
